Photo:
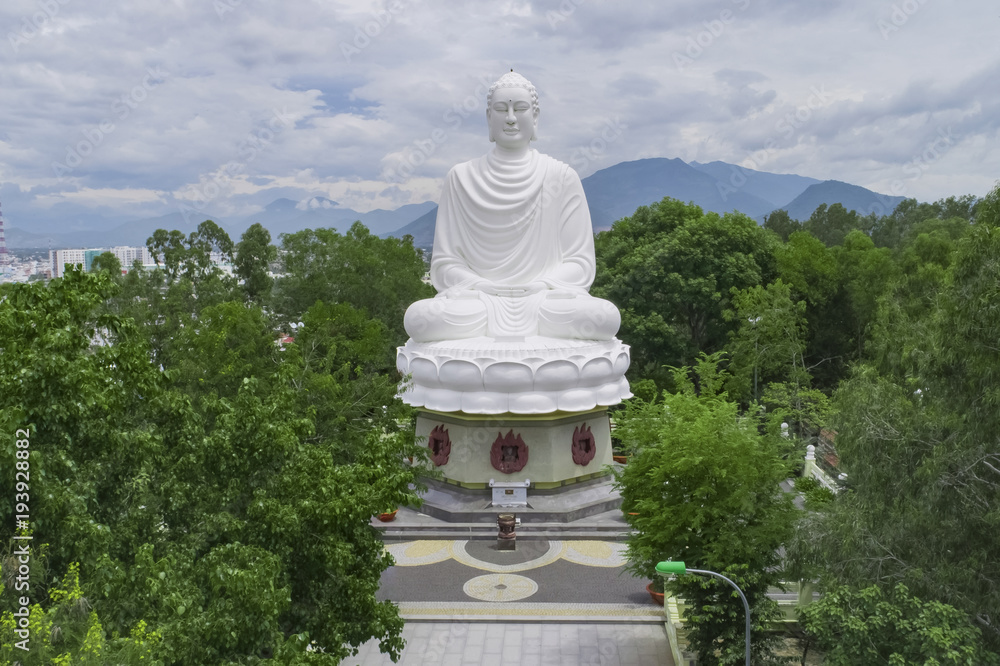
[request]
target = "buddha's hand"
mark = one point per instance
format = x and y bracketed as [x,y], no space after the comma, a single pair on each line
[561,293]
[511,290]
[460,292]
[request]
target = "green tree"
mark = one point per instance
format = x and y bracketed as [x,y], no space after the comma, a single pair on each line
[345,374]
[767,359]
[891,230]
[69,632]
[921,453]
[670,269]
[164,301]
[704,488]
[865,273]
[809,268]
[191,256]
[227,343]
[901,328]
[254,254]
[216,517]
[769,341]
[832,223]
[168,247]
[201,243]
[841,286]
[107,261]
[381,276]
[780,223]
[878,626]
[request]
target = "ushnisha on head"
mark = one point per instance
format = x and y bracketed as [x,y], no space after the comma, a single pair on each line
[512,112]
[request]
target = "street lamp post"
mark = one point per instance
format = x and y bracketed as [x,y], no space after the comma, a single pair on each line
[670,568]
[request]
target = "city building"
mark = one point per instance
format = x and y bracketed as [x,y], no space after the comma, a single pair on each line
[60,259]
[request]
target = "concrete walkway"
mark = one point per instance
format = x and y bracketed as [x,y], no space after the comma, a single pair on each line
[548,602]
[536,644]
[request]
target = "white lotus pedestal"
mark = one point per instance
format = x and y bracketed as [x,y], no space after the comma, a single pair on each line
[532,409]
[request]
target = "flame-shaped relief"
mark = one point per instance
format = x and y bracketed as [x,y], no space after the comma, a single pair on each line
[509,453]
[584,446]
[440,445]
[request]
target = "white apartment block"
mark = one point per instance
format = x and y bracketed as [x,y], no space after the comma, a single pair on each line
[60,259]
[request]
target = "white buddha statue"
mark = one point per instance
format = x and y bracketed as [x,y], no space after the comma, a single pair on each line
[514,246]
[513,328]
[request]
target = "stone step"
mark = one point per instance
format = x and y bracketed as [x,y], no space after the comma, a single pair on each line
[453,504]
[554,533]
[587,510]
[513,611]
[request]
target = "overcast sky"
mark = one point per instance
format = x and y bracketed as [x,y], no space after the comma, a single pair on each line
[133,108]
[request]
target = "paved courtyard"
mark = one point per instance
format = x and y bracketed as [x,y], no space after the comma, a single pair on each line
[548,602]
[535,644]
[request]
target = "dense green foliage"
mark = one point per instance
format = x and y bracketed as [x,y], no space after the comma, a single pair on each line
[254,254]
[917,430]
[670,269]
[211,491]
[704,485]
[889,626]
[381,276]
[768,344]
[69,632]
[882,331]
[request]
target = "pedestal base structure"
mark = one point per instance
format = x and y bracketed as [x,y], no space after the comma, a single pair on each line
[550,450]
[516,410]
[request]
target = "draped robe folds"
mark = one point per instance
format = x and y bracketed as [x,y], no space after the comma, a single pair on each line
[513,255]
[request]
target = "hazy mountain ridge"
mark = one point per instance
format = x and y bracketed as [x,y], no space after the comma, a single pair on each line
[612,193]
[717,187]
[772,187]
[280,216]
[851,197]
[616,192]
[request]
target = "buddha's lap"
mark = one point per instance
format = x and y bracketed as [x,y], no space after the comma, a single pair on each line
[582,316]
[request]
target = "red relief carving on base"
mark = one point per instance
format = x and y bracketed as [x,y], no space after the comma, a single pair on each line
[509,453]
[584,446]
[440,445]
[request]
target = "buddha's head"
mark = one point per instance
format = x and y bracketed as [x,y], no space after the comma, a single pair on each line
[512,111]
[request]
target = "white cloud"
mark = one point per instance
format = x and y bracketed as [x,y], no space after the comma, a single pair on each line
[410,90]
[92,198]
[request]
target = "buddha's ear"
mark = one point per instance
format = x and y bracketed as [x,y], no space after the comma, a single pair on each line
[534,127]
[489,126]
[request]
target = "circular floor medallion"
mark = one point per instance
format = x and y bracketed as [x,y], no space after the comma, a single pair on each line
[500,587]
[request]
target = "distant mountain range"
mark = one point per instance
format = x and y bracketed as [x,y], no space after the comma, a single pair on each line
[717,187]
[612,194]
[280,216]
[852,197]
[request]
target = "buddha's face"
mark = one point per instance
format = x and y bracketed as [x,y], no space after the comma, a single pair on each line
[511,119]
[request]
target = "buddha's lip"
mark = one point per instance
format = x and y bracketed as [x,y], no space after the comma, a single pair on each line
[511,130]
